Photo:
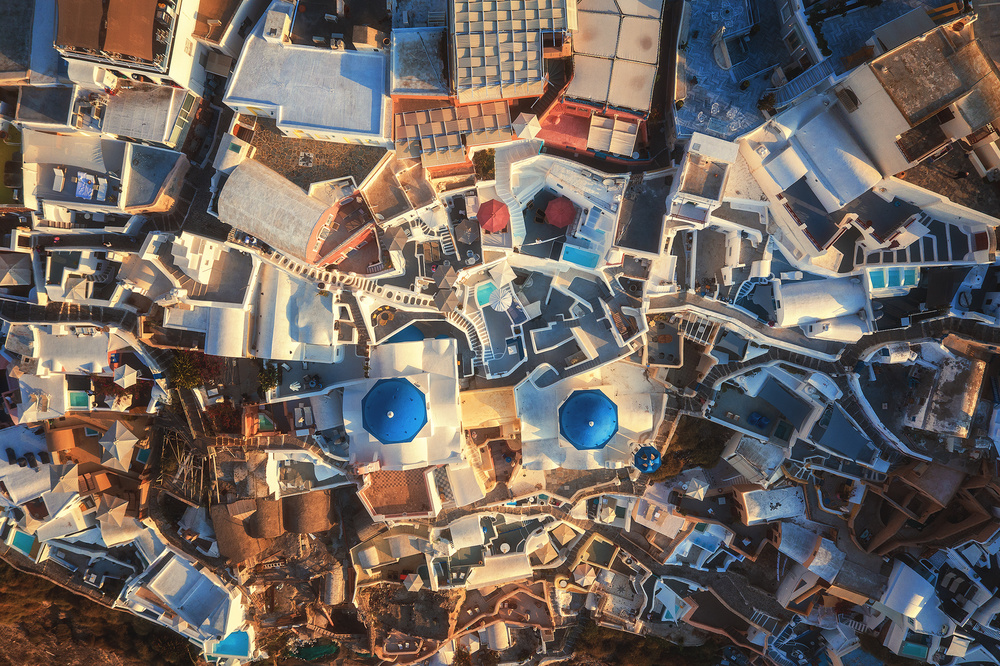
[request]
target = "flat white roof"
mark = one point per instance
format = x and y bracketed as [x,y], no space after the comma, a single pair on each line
[639,39]
[311,87]
[597,34]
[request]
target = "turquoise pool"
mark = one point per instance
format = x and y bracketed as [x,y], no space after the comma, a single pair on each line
[580,257]
[236,644]
[23,542]
[79,399]
[483,293]
[894,277]
[142,456]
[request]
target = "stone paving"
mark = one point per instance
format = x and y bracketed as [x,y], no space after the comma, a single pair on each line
[846,35]
[328,160]
[715,104]
[943,176]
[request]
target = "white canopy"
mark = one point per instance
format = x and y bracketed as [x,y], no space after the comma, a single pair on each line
[527,126]
[126,376]
[584,575]
[117,443]
[697,487]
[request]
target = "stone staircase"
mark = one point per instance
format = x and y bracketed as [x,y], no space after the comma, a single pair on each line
[856,626]
[447,243]
[748,286]
[746,70]
[463,324]
[789,92]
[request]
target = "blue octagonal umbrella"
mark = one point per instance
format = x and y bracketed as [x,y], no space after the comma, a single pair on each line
[588,419]
[647,460]
[394,411]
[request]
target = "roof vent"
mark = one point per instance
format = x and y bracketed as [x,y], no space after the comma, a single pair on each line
[277,26]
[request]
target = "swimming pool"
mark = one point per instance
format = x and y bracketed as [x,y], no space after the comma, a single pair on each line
[893,277]
[580,257]
[483,293]
[264,422]
[407,334]
[236,644]
[23,542]
[79,399]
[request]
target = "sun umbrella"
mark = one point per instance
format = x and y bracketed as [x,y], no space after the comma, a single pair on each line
[125,376]
[647,460]
[584,575]
[527,126]
[501,300]
[446,301]
[445,277]
[117,443]
[413,582]
[560,212]
[493,216]
[465,232]
[697,487]
[502,273]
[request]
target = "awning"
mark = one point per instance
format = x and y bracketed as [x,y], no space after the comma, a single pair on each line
[130,28]
[79,23]
[82,152]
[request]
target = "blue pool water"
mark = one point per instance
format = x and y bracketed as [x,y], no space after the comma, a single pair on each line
[483,293]
[892,277]
[408,334]
[79,399]
[236,644]
[580,257]
[23,541]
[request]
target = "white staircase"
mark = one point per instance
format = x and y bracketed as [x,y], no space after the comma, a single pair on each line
[505,157]
[447,243]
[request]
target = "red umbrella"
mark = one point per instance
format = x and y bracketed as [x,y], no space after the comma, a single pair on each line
[560,212]
[493,216]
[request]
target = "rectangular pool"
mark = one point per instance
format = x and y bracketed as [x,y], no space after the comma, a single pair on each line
[580,257]
[23,542]
[894,277]
[483,293]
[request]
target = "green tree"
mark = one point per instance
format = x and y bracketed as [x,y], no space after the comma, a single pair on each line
[485,163]
[269,377]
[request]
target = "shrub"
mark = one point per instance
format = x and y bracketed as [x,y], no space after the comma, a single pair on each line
[766,103]
[191,369]
[485,163]
[269,377]
[696,443]
[225,418]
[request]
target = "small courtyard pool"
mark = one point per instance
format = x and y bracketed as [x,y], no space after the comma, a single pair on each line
[893,277]
[23,542]
[236,644]
[580,257]
[483,293]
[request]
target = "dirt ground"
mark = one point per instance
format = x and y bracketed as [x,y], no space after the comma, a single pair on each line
[424,614]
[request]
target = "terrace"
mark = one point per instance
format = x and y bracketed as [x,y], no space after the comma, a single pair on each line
[714,101]
[306,161]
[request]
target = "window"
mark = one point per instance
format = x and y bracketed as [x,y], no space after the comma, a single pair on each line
[792,40]
[90,432]
[188,47]
[848,99]
[234,147]
[203,58]
[786,13]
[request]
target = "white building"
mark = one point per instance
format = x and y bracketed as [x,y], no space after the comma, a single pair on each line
[407,415]
[311,92]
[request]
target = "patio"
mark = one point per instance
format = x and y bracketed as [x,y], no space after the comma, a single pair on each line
[715,104]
